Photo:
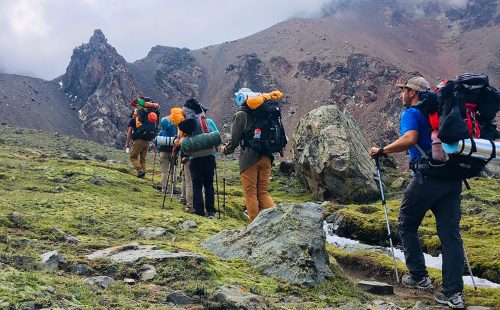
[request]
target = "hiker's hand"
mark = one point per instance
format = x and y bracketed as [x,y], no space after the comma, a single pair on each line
[376,152]
[222,149]
[184,160]
[177,142]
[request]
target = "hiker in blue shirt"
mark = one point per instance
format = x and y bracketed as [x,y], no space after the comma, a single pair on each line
[440,195]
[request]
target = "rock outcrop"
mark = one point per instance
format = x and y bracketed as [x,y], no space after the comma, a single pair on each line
[287,242]
[99,83]
[331,155]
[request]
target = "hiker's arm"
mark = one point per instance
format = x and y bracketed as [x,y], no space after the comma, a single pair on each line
[402,144]
[237,127]
[129,135]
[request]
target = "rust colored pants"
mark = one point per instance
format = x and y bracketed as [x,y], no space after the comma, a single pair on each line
[138,154]
[255,181]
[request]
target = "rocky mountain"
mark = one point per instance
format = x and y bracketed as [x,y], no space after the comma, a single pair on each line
[351,57]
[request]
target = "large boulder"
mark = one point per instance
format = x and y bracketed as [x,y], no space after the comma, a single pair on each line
[331,154]
[287,242]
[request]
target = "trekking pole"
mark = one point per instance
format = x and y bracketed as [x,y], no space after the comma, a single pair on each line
[166,186]
[217,189]
[379,175]
[154,164]
[468,266]
[174,163]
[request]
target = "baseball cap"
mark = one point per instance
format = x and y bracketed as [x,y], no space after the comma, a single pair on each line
[416,83]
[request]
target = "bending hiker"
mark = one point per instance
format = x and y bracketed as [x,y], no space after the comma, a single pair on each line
[165,142]
[202,162]
[440,195]
[249,129]
[176,116]
[142,128]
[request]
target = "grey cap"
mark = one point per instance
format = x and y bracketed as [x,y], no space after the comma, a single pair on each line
[416,83]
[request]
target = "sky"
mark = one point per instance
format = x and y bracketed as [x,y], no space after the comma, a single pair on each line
[37,37]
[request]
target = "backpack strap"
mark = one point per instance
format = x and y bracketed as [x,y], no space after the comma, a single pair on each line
[204,125]
[424,154]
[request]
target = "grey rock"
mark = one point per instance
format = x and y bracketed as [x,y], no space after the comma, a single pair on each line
[233,297]
[151,232]
[331,154]
[80,269]
[97,180]
[132,252]
[129,281]
[398,183]
[101,282]
[478,308]
[27,305]
[286,241]
[419,306]
[147,272]
[4,266]
[17,219]
[101,157]
[52,260]
[77,156]
[348,306]
[61,235]
[187,225]
[178,298]
[290,299]
[376,287]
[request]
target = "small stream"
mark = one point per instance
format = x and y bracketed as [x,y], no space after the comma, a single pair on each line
[430,261]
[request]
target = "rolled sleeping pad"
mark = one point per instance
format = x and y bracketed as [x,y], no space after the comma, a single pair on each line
[241,97]
[201,142]
[484,149]
[164,140]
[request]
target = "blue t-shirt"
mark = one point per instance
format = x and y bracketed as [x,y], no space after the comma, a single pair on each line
[414,119]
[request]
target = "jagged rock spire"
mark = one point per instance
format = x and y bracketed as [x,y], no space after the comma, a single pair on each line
[98,37]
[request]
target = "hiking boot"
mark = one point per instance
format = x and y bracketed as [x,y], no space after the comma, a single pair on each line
[454,301]
[425,284]
[141,174]
[211,216]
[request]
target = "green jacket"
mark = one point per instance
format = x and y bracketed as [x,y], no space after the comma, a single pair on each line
[242,121]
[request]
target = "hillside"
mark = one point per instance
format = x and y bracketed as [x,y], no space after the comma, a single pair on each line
[45,195]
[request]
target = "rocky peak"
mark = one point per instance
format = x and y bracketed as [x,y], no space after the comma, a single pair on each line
[98,38]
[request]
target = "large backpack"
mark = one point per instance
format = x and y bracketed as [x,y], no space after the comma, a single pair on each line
[459,109]
[266,134]
[146,128]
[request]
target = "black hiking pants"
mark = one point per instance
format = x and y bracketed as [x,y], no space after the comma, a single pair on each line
[202,173]
[442,197]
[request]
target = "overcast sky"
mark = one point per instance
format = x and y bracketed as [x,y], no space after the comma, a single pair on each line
[37,37]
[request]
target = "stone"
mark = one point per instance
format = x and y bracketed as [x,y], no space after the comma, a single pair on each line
[96,181]
[398,183]
[151,232]
[287,242]
[286,167]
[3,266]
[131,253]
[61,235]
[77,156]
[27,305]
[147,272]
[419,306]
[17,219]
[187,225]
[52,260]
[331,155]
[233,297]
[101,282]
[376,287]
[178,298]
[129,281]
[290,299]
[101,157]
[81,269]
[478,308]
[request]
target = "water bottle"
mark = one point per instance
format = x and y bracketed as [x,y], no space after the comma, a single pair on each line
[438,153]
[257,133]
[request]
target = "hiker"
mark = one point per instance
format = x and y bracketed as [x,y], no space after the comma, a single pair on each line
[176,116]
[165,147]
[202,162]
[142,128]
[255,164]
[440,195]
